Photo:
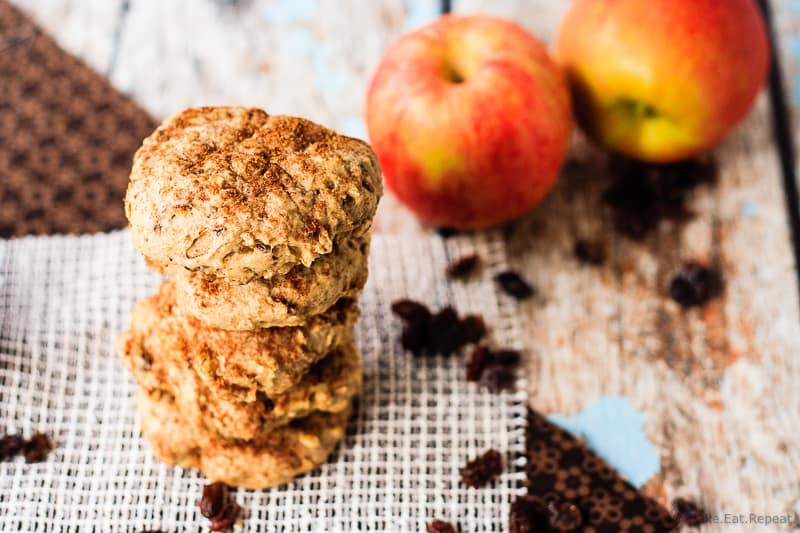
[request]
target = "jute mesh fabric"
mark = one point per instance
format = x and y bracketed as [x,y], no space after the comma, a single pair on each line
[65,299]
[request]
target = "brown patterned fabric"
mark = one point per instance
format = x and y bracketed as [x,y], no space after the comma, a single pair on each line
[562,469]
[66,137]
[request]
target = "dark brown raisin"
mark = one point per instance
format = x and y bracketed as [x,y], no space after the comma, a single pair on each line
[590,253]
[564,516]
[694,285]
[445,334]
[514,285]
[215,496]
[414,337]
[506,357]
[473,329]
[11,446]
[480,357]
[440,526]
[37,447]
[410,311]
[226,518]
[688,512]
[528,515]
[482,470]
[463,267]
[644,194]
[446,232]
[497,378]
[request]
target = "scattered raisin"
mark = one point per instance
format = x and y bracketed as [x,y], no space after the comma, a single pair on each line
[463,267]
[440,526]
[694,285]
[497,378]
[482,470]
[445,232]
[506,357]
[215,496]
[480,357]
[226,518]
[564,516]
[11,446]
[513,284]
[589,253]
[528,515]
[409,310]
[644,194]
[688,512]
[37,447]
[473,329]
[442,332]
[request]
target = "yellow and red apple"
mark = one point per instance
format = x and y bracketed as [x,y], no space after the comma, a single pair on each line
[470,119]
[662,80]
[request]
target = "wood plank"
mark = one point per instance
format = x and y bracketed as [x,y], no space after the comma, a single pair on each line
[719,385]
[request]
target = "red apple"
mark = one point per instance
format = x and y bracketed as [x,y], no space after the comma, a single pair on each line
[470,118]
[662,80]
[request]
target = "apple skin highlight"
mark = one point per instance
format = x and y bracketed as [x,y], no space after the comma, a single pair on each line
[663,80]
[471,120]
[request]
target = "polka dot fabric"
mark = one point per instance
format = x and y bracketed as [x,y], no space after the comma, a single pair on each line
[67,137]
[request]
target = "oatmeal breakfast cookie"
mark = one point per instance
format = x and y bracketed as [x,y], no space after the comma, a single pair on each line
[273,460]
[239,194]
[287,300]
[233,364]
[329,386]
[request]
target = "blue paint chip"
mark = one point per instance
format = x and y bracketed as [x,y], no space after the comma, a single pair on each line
[614,430]
[749,209]
[286,11]
[419,12]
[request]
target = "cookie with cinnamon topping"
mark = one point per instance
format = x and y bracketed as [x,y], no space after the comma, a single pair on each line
[238,194]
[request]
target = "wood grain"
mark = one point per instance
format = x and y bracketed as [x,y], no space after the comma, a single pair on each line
[718,385]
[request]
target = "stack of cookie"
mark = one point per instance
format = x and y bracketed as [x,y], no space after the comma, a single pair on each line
[245,355]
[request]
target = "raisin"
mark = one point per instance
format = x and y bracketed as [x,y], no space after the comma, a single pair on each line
[513,284]
[478,360]
[444,332]
[590,253]
[694,285]
[410,311]
[445,232]
[506,357]
[440,526]
[688,512]
[482,470]
[564,516]
[473,329]
[11,446]
[463,267]
[37,447]
[644,194]
[497,378]
[528,515]
[226,518]
[415,338]
[215,496]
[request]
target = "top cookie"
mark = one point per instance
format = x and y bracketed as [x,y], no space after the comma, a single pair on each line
[238,193]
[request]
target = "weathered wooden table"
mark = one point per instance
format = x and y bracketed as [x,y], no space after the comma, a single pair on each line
[719,387]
